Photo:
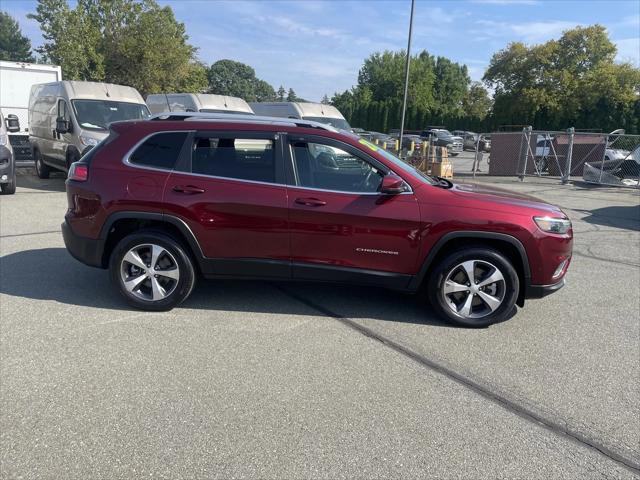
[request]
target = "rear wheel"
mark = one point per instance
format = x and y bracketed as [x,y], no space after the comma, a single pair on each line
[42,170]
[474,287]
[152,271]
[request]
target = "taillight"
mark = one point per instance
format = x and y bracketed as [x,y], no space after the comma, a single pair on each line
[79,172]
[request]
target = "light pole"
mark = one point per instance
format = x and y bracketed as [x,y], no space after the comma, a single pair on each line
[406,78]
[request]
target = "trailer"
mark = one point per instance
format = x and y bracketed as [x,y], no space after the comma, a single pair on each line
[16,80]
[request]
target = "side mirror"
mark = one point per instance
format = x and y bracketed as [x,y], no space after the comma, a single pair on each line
[13,124]
[392,185]
[62,125]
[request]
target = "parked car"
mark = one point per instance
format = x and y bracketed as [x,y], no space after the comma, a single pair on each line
[317,112]
[161,202]
[444,138]
[384,140]
[7,158]
[196,102]
[362,133]
[471,140]
[68,118]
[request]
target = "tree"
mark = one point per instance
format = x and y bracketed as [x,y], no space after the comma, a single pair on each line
[14,46]
[477,103]
[136,43]
[264,92]
[281,93]
[572,81]
[291,96]
[325,100]
[228,77]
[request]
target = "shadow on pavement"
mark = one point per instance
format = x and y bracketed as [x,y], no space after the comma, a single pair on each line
[52,274]
[26,178]
[627,216]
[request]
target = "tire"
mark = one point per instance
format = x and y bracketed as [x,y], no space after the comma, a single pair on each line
[490,303]
[170,290]
[42,170]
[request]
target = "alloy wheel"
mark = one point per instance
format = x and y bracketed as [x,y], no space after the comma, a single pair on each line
[149,272]
[474,289]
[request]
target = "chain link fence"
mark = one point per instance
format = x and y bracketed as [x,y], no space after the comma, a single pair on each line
[599,158]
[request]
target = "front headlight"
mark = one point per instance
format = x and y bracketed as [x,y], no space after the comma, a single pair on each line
[4,138]
[88,141]
[553,224]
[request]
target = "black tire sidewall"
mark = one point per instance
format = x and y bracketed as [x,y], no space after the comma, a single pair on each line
[185,264]
[42,171]
[512,285]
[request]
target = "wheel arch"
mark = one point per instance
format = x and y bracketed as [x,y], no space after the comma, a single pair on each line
[508,245]
[121,224]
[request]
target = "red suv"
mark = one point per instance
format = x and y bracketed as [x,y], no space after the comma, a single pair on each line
[163,201]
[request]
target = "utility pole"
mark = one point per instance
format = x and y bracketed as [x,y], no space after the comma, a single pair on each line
[406,78]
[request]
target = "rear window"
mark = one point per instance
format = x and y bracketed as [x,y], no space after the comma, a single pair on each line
[159,151]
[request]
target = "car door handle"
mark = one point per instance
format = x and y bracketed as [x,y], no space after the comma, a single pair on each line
[188,189]
[310,202]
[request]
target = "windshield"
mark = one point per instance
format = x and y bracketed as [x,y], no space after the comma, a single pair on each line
[339,123]
[98,114]
[443,133]
[397,162]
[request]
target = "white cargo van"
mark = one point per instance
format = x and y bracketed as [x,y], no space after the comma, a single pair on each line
[317,112]
[67,118]
[196,102]
[16,80]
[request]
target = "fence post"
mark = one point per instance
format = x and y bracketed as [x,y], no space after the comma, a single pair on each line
[476,164]
[526,136]
[605,140]
[567,168]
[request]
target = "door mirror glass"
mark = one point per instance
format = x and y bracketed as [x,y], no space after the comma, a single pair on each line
[62,125]
[13,124]
[392,185]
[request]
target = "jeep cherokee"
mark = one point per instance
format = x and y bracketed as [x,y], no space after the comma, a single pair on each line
[163,201]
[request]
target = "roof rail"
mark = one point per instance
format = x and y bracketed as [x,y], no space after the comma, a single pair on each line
[237,117]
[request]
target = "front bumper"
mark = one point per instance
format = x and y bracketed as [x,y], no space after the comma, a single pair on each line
[6,162]
[86,250]
[539,291]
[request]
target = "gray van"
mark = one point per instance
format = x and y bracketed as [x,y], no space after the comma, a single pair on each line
[196,102]
[317,112]
[7,158]
[68,118]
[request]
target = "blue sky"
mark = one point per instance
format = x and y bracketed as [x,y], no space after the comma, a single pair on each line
[317,46]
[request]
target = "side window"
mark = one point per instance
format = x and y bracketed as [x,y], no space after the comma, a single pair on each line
[160,150]
[330,168]
[238,158]
[62,110]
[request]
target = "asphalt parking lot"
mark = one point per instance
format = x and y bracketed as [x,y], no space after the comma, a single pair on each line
[284,380]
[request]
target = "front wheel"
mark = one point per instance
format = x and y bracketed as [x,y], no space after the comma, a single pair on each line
[152,271]
[474,287]
[42,170]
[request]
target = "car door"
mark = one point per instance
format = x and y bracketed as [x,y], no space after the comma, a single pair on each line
[342,227]
[60,140]
[232,195]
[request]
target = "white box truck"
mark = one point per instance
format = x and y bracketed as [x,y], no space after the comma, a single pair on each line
[16,80]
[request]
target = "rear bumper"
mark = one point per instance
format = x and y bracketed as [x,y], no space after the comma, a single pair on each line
[86,250]
[539,291]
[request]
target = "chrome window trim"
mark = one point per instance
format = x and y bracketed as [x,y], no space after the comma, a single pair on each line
[202,175]
[126,161]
